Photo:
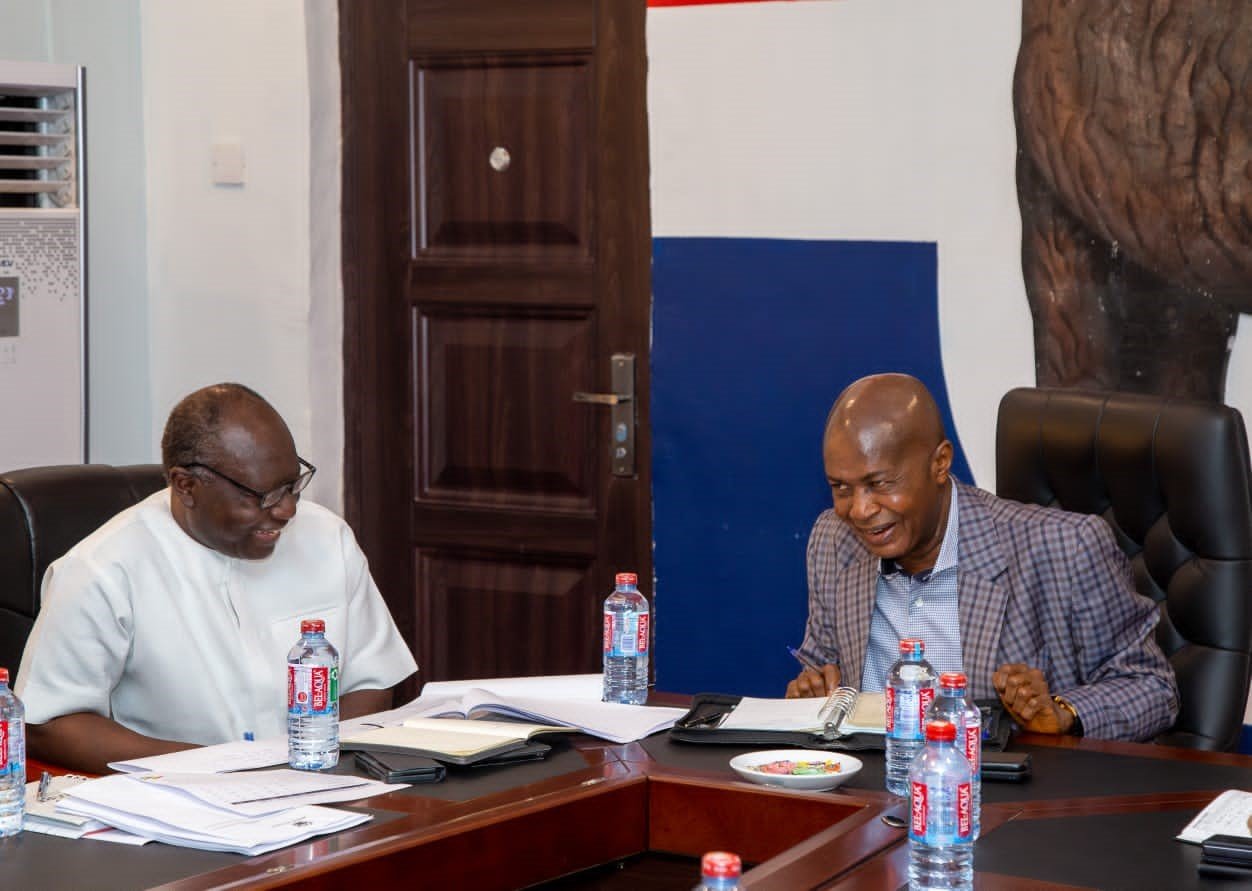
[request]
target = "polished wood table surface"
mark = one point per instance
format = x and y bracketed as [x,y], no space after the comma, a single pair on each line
[1095,814]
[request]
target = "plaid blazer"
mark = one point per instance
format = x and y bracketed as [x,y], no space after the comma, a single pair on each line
[1035,585]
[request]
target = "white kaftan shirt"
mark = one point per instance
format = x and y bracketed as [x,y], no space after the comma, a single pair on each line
[143,624]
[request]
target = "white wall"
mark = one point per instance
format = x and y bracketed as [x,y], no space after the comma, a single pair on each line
[326,283]
[228,264]
[26,35]
[104,37]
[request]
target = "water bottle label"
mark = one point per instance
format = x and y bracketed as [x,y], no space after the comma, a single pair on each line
[628,639]
[973,746]
[919,804]
[925,697]
[904,714]
[906,711]
[4,746]
[940,829]
[964,810]
[312,689]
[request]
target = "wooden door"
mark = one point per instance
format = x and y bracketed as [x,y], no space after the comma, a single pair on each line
[496,255]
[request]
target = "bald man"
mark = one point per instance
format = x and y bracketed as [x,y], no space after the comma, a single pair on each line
[1035,605]
[169,625]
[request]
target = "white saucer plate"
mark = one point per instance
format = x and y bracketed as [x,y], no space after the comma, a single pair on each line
[746,766]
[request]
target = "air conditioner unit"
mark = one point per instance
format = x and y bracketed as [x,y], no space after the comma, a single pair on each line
[43,254]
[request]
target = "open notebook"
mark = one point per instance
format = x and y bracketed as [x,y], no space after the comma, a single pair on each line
[844,711]
[454,740]
[613,721]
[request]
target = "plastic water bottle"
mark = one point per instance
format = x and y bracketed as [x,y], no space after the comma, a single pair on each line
[941,820]
[719,871]
[626,633]
[313,699]
[951,705]
[12,759]
[910,690]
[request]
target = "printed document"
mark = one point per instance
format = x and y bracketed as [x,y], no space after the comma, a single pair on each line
[170,815]
[1228,814]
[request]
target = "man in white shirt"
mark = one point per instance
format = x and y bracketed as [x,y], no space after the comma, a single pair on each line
[168,626]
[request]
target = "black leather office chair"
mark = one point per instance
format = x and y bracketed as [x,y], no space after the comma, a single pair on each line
[1172,480]
[44,511]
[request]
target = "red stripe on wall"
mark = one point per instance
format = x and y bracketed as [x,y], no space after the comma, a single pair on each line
[706,2]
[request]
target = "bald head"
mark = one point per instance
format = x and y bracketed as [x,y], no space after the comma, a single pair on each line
[887,463]
[196,424]
[887,411]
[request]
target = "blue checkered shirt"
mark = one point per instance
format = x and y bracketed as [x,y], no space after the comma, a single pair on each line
[922,605]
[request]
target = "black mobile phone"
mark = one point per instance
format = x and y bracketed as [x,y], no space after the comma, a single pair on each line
[1227,850]
[1011,767]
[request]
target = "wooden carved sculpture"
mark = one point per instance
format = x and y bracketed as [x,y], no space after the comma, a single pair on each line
[1134,123]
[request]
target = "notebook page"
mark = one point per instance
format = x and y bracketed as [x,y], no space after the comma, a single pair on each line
[776,714]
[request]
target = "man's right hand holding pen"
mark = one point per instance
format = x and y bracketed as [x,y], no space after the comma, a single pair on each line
[815,680]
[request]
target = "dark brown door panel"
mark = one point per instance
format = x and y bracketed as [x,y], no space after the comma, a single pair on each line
[502,160]
[546,607]
[496,255]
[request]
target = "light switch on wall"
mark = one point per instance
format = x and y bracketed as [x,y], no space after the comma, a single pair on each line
[228,164]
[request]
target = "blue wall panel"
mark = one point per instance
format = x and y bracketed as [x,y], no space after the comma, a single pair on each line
[752,341]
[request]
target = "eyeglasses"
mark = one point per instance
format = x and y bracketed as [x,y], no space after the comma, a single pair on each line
[267,500]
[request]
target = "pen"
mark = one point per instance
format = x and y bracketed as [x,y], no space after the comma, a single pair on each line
[804,660]
[44,782]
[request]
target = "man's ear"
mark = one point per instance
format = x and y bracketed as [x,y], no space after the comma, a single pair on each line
[941,462]
[184,484]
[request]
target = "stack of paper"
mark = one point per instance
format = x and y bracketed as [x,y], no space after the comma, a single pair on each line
[43,817]
[245,813]
[570,701]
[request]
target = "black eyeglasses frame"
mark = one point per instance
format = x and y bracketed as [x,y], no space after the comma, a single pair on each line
[265,500]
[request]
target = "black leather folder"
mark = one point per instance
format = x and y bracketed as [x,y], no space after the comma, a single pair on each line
[400,767]
[700,725]
[391,767]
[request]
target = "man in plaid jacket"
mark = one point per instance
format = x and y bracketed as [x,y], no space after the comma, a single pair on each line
[1035,604]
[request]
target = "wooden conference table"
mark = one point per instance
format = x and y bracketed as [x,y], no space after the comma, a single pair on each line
[638,816]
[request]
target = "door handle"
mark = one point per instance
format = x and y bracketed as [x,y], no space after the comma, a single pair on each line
[602,398]
[622,405]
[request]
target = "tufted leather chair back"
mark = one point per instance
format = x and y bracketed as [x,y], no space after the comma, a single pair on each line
[1172,480]
[44,511]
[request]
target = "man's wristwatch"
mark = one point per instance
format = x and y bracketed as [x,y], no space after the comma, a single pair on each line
[1075,729]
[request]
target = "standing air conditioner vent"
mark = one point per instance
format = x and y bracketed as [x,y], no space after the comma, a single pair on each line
[38,147]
